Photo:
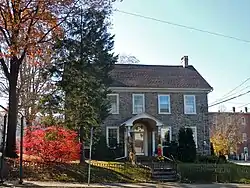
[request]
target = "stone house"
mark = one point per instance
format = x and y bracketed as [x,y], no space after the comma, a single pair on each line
[236,122]
[148,101]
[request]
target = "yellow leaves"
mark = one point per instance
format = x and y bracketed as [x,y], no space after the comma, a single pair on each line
[226,135]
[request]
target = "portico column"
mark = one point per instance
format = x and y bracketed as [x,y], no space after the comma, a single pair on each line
[159,126]
[127,134]
[153,143]
[125,142]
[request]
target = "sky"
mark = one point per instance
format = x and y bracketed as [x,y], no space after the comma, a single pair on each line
[223,62]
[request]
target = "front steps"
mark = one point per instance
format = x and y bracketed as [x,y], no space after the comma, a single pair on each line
[160,171]
[164,174]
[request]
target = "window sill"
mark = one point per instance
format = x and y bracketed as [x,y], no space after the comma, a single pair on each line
[137,113]
[114,113]
[191,113]
[164,113]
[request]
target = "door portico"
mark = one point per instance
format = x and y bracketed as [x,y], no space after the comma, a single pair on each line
[145,131]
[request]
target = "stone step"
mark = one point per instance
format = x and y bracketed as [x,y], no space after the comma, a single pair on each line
[164,173]
[172,177]
[162,169]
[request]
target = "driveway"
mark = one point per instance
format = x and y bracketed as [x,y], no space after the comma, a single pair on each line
[121,185]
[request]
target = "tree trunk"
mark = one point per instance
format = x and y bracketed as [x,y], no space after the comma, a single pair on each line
[10,150]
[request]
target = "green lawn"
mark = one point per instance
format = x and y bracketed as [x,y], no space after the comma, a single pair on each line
[103,172]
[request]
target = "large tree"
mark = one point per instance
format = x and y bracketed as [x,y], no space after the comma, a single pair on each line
[28,28]
[85,58]
[226,132]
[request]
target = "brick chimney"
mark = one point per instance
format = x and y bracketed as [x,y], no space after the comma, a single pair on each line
[184,61]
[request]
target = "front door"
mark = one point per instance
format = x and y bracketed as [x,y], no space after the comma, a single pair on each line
[140,139]
[139,143]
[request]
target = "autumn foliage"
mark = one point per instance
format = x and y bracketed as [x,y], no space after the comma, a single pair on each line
[53,143]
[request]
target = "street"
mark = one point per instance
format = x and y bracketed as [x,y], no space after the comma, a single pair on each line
[123,185]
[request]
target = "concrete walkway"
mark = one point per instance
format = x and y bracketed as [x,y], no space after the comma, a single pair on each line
[121,185]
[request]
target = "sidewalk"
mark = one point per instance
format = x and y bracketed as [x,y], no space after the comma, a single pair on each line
[122,185]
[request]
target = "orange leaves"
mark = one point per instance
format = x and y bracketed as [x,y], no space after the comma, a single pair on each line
[51,144]
[28,23]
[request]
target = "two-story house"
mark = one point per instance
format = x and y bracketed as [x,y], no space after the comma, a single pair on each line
[150,100]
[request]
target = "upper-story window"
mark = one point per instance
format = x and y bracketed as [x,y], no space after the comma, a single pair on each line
[164,104]
[189,104]
[138,103]
[243,120]
[244,137]
[114,103]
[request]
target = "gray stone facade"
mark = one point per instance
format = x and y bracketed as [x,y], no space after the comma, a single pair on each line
[176,119]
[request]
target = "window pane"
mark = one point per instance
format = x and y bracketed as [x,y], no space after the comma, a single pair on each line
[138,100]
[138,108]
[243,120]
[164,104]
[189,104]
[112,137]
[164,99]
[165,135]
[138,103]
[244,137]
[113,104]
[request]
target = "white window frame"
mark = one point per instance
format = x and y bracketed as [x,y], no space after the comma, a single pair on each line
[107,134]
[244,137]
[143,105]
[194,129]
[117,102]
[185,104]
[243,122]
[159,106]
[170,132]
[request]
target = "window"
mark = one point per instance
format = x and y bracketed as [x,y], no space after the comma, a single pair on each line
[194,129]
[164,104]
[138,103]
[166,135]
[214,120]
[189,104]
[112,136]
[244,137]
[114,103]
[243,120]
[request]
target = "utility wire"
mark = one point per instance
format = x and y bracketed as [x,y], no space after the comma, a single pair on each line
[203,31]
[227,94]
[183,26]
[244,105]
[229,99]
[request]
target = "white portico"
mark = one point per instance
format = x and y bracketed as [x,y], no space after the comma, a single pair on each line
[145,130]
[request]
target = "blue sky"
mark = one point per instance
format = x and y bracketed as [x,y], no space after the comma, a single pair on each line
[223,62]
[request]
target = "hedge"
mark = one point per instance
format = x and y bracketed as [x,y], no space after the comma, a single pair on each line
[223,173]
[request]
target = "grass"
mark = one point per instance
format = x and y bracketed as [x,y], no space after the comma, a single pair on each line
[135,173]
[101,172]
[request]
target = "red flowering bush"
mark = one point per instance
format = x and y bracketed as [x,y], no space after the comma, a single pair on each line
[51,144]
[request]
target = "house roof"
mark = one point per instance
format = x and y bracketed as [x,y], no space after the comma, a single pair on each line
[157,76]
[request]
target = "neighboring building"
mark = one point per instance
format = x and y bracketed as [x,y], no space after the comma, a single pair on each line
[149,101]
[238,122]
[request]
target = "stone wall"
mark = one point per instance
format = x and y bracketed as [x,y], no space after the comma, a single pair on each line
[176,119]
